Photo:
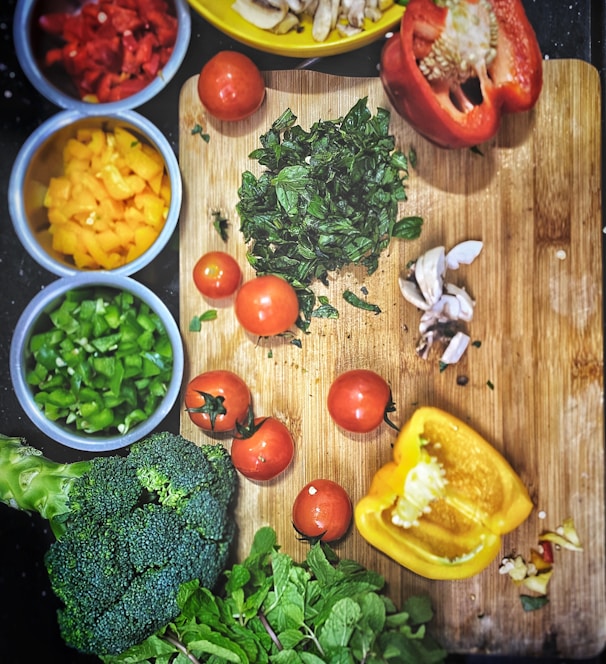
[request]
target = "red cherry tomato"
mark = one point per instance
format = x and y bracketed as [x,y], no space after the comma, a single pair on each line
[359,400]
[230,86]
[217,274]
[264,453]
[322,511]
[217,400]
[266,305]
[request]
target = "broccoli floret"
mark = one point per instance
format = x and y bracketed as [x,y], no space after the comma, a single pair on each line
[130,530]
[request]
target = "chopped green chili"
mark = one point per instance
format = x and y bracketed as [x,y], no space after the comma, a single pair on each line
[101,362]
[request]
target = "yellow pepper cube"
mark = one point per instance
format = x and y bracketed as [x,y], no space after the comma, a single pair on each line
[74,167]
[136,183]
[154,210]
[57,217]
[109,241]
[93,185]
[77,150]
[141,163]
[65,241]
[125,232]
[112,209]
[97,142]
[165,189]
[115,182]
[155,183]
[59,190]
[125,140]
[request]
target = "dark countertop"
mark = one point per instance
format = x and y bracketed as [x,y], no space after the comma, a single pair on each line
[28,632]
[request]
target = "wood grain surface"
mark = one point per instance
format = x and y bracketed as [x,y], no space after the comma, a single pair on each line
[535,383]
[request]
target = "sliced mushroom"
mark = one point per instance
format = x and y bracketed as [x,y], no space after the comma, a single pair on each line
[466,304]
[464,252]
[411,292]
[325,19]
[288,23]
[353,12]
[265,14]
[456,348]
[429,273]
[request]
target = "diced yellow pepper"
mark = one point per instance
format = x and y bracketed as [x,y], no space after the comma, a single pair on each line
[59,190]
[154,210]
[114,182]
[141,163]
[76,149]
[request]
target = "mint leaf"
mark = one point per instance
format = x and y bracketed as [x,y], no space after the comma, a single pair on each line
[340,625]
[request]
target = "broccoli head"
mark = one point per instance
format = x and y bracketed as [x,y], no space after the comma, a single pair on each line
[130,530]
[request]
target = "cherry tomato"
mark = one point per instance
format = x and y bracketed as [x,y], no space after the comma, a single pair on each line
[231,86]
[217,274]
[322,511]
[217,400]
[265,452]
[266,305]
[359,400]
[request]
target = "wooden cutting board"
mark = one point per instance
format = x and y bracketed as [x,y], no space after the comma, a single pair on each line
[535,384]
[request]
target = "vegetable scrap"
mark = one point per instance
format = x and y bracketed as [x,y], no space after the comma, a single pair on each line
[111,49]
[347,17]
[456,66]
[535,574]
[112,200]
[100,362]
[440,506]
[199,131]
[446,307]
[195,324]
[328,197]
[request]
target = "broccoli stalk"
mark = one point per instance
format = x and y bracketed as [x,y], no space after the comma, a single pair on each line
[130,530]
[31,482]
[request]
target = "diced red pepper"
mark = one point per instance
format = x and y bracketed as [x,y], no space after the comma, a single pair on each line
[112,48]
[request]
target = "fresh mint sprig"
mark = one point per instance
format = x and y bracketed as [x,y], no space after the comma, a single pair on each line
[275,610]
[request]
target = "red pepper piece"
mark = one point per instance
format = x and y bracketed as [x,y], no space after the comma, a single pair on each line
[458,106]
[53,23]
[126,88]
[546,551]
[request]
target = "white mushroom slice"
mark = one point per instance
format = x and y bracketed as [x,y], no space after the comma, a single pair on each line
[466,304]
[353,11]
[429,273]
[322,23]
[464,252]
[412,294]
[429,321]
[265,14]
[447,308]
[295,6]
[425,344]
[373,14]
[346,30]
[455,349]
[290,22]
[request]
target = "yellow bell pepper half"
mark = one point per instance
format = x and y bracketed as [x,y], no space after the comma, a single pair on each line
[440,506]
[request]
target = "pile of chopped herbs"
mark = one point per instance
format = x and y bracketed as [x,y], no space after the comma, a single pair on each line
[328,197]
[276,610]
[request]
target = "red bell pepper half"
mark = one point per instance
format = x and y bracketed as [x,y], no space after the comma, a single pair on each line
[456,66]
[112,48]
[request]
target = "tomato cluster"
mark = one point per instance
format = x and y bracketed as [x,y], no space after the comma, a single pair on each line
[231,88]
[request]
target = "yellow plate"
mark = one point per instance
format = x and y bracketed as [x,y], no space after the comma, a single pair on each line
[294,44]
